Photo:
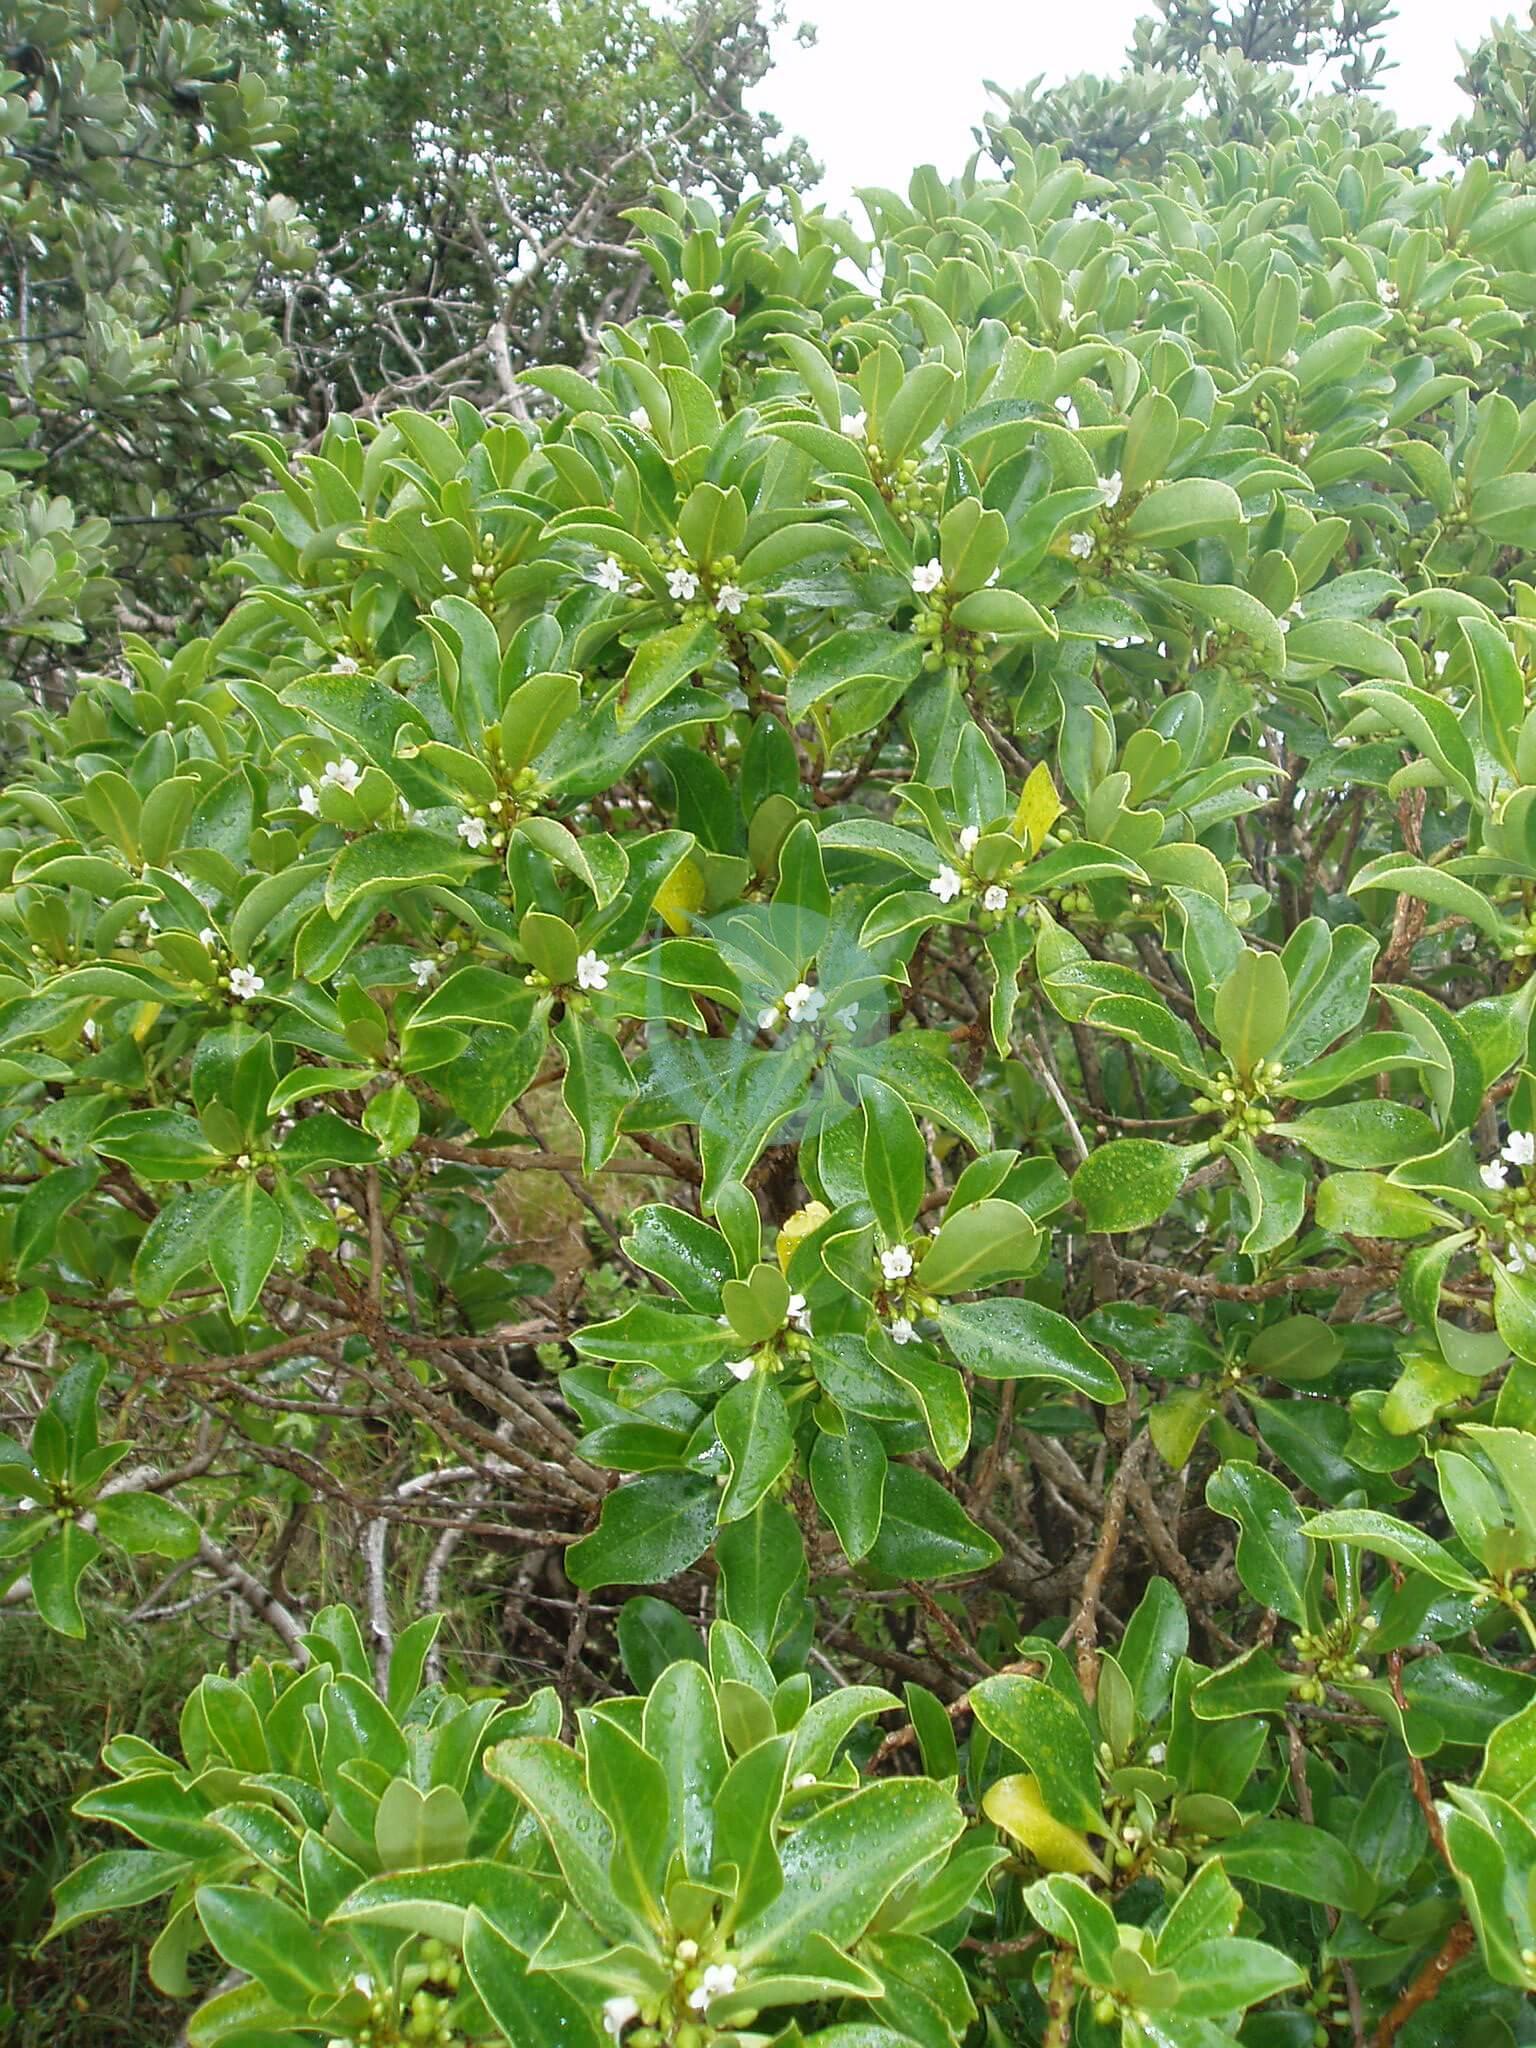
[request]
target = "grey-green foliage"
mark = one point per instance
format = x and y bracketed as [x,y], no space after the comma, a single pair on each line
[1500,79]
[1201,75]
[137,232]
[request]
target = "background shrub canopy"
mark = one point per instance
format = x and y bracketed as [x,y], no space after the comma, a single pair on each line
[947,827]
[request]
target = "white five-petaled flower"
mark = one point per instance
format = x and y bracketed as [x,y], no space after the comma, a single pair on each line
[741,1368]
[344,665]
[1518,1256]
[1442,656]
[1112,486]
[617,2014]
[1080,546]
[343,774]
[945,885]
[730,598]
[207,936]
[896,1264]
[638,416]
[798,1313]
[768,1019]
[804,1003]
[969,834]
[1386,291]
[719,1982]
[903,1331]
[995,897]
[424,971]
[609,575]
[245,985]
[856,425]
[927,576]
[1519,1148]
[591,972]
[474,832]
[848,1017]
[682,584]
[309,801]
[1083,211]
[1494,1175]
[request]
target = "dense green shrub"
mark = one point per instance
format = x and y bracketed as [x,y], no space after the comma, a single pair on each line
[990,772]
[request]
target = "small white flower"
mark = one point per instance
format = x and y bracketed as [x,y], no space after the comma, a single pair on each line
[364,1983]
[609,575]
[1512,1257]
[927,576]
[591,972]
[741,1368]
[719,1982]
[1083,211]
[89,1027]
[1494,1175]
[848,1017]
[683,584]
[1068,311]
[1112,486]
[799,1314]
[343,774]
[1442,656]
[147,918]
[856,425]
[638,416]
[969,834]
[994,898]
[344,665]
[802,1781]
[450,575]
[896,1264]
[245,985]
[617,2014]
[804,1003]
[1080,546]
[903,1331]
[1157,1753]
[730,598]
[768,1020]
[945,885]
[424,971]
[687,1951]
[1519,1149]
[207,936]
[1386,291]
[1290,359]
[474,832]
[309,801]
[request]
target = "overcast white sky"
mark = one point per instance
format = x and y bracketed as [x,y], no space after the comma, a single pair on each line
[892,84]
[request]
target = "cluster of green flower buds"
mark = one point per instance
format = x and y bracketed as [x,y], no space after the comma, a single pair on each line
[1238,1099]
[428,1992]
[1331,1654]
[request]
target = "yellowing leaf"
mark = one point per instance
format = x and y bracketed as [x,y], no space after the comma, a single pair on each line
[681,896]
[1039,808]
[799,1226]
[1014,1804]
